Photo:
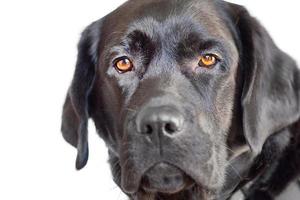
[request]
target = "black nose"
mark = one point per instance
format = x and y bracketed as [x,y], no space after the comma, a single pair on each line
[164,119]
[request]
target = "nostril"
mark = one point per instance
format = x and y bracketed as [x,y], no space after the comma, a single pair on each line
[170,128]
[159,120]
[166,180]
[147,129]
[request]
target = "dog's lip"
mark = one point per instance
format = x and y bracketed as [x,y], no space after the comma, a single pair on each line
[169,191]
[130,184]
[165,178]
[133,183]
[131,180]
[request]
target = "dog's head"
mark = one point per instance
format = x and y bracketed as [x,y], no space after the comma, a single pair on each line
[175,89]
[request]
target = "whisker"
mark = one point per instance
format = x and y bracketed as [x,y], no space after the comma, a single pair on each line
[236,171]
[131,109]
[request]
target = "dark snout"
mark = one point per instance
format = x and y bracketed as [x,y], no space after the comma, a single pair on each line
[157,123]
[163,142]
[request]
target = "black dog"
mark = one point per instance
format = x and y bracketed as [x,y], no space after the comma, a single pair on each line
[193,99]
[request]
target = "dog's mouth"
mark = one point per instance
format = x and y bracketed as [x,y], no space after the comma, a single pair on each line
[165,178]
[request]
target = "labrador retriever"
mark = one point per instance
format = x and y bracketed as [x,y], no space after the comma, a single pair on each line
[192,98]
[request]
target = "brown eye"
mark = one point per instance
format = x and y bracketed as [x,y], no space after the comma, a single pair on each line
[123,65]
[208,60]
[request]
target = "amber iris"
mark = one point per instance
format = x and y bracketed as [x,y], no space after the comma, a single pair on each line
[123,65]
[207,61]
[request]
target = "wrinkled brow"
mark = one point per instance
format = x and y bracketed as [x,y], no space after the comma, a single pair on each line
[139,43]
[192,44]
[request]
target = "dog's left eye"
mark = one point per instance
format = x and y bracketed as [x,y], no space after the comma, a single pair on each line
[208,61]
[123,64]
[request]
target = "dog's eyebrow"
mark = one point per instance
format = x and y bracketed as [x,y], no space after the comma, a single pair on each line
[209,44]
[193,45]
[138,41]
[195,42]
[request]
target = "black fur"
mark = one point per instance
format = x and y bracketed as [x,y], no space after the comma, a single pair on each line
[250,100]
[75,113]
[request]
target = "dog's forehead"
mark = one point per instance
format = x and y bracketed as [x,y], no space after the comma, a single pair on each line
[171,19]
[148,15]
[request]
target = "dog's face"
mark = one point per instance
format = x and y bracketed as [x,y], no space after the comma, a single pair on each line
[163,82]
[170,108]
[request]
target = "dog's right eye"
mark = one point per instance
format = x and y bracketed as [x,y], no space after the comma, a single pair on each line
[123,65]
[208,60]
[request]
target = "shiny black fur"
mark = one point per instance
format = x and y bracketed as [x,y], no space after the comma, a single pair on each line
[257,110]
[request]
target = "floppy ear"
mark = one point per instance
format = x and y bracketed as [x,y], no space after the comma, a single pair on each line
[271,88]
[75,111]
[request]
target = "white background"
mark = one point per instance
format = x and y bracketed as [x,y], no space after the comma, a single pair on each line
[37,55]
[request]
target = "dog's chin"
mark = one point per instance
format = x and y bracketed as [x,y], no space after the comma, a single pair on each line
[164,178]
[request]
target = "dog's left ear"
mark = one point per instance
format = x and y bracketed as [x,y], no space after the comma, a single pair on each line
[75,111]
[271,88]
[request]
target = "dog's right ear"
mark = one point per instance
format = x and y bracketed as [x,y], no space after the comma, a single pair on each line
[75,111]
[270,98]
